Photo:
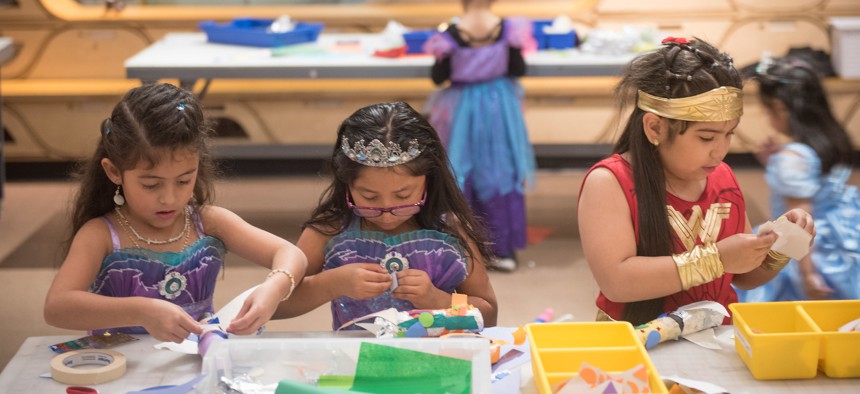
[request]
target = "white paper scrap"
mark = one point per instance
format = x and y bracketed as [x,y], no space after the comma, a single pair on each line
[225,315]
[793,240]
[705,387]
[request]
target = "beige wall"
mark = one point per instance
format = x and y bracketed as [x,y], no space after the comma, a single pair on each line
[69,69]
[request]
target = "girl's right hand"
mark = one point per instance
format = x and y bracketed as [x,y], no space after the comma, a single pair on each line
[362,281]
[742,253]
[168,322]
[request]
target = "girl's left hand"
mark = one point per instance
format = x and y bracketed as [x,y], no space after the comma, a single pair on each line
[415,286]
[257,309]
[803,219]
[815,287]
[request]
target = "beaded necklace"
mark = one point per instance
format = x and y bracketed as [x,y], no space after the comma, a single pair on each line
[126,226]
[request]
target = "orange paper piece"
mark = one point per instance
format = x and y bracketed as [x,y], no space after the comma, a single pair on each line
[459,303]
[519,336]
[594,380]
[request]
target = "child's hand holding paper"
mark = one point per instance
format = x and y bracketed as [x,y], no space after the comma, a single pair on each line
[793,240]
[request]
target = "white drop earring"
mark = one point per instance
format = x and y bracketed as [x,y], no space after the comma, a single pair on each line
[118,198]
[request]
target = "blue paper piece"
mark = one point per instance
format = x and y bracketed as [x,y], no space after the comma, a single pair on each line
[416,331]
[653,339]
[174,389]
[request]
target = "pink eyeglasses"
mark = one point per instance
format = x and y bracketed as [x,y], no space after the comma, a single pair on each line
[374,212]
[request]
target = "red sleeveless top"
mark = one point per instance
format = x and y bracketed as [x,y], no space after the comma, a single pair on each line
[719,212]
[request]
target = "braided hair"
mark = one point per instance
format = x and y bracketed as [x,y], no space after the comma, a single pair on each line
[680,68]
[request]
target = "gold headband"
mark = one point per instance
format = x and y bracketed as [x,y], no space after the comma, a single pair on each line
[720,104]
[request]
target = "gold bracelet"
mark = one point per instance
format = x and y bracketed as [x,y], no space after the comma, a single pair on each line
[775,261]
[700,265]
[292,281]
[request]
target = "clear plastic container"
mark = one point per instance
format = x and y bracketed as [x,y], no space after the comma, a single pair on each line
[269,361]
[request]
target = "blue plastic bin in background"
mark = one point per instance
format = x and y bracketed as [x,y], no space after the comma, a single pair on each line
[253,32]
[561,41]
[538,33]
[552,41]
[415,40]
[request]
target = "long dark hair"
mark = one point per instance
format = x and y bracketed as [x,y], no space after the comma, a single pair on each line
[796,84]
[399,123]
[147,124]
[675,70]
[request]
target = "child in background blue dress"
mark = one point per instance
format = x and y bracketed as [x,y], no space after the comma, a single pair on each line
[810,172]
[479,119]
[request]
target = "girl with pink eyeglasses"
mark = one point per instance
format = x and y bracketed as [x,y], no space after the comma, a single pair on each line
[392,230]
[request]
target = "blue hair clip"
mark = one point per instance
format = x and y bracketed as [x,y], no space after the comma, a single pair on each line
[180,107]
[107,133]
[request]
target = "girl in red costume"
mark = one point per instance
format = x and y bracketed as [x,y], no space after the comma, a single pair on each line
[662,220]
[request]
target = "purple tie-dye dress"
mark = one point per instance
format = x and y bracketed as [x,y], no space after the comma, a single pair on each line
[185,278]
[434,252]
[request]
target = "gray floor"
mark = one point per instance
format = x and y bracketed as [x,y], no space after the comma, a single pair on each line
[552,273]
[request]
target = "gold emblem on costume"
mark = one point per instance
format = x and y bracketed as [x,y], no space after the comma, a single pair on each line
[706,229]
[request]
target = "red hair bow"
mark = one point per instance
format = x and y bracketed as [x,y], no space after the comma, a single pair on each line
[675,40]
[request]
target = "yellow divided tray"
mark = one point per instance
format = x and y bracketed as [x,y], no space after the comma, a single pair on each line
[559,349]
[793,340]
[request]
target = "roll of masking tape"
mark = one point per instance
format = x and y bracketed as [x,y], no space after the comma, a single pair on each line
[110,365]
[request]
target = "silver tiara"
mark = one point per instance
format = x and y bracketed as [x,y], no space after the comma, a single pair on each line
[378,155]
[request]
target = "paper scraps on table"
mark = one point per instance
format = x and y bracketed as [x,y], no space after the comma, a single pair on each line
[853,325]
[793,240]
[591,379]
[171,389]
[291,387]
[385,369]
[222,319]
[705,338]
[679,385]
[417,323]
[106,340]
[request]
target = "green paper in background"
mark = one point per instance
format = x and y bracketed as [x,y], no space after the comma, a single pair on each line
[389,370]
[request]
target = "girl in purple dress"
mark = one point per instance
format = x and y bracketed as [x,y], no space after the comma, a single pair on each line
[147,244]
[479,119]
[392,230]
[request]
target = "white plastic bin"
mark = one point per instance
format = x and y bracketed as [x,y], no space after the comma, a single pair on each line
[304,359]
[845,46]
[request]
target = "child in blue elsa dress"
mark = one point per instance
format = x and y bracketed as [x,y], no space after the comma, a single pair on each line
[480,120]
[809,172]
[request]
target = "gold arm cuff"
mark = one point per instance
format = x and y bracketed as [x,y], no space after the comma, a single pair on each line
[775,261]
[700,265]
[292,281]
